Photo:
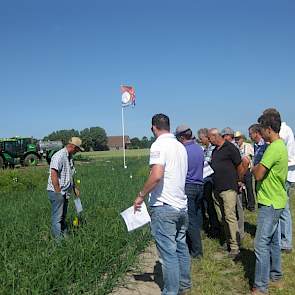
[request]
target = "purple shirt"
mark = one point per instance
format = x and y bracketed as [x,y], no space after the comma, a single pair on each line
[195,163]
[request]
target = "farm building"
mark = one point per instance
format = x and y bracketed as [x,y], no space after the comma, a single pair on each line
[116,142]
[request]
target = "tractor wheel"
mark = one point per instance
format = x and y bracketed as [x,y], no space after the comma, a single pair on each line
[31,160]
[1,163]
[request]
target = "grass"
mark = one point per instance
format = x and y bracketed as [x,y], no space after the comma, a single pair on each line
[95,255]
[100,251]
[134,153]
[217,274]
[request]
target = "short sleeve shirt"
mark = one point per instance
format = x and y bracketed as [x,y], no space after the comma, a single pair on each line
[63,164]
[170,153]
[271,190]
[224,163]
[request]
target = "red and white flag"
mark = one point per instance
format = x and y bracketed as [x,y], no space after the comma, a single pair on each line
[128,95]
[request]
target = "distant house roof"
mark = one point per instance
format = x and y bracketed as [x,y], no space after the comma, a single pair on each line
[117,141]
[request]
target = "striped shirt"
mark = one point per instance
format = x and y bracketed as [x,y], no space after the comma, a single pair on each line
[208,152]
[63,164]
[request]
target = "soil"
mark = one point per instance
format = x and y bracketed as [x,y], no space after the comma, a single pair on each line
[146,279]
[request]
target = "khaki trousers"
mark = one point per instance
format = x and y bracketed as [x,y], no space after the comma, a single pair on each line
[225,205]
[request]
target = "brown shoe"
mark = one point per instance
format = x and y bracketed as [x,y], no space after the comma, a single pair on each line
[255,291]
[276,284]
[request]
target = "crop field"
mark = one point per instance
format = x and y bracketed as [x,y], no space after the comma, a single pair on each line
[100,251]
[134,153]
[95,254]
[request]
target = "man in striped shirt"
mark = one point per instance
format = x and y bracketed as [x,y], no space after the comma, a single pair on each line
[60,184]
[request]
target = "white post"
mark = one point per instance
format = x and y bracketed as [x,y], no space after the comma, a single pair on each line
[123,137]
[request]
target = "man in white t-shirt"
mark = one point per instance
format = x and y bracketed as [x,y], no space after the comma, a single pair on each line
[285,228]
[168,204]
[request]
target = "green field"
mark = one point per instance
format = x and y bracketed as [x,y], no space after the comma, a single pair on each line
[116,154]
[95,254]
[100,251]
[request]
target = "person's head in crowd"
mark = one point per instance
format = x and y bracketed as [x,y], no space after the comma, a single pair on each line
[270,125]
[183,133]
[215,137]
[203,136]
[228,134]
[160,124]
[239,138]
[273,112]
[74,145]
[255,132]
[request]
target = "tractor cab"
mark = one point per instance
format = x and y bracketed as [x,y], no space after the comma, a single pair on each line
[18,150]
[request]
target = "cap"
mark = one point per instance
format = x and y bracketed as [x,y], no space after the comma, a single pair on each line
[227,131]
[181,129]
[238,134]
[76,141]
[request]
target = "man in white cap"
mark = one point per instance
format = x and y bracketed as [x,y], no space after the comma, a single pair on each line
[60,184]
[246,150]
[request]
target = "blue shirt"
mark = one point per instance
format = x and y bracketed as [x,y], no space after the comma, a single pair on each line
[195,163]
[259,149]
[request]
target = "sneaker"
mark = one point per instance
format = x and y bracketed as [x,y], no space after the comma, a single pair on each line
[278,284]
[255,291]
[233,254]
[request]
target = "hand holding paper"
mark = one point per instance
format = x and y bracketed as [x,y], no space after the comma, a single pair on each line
[135,219]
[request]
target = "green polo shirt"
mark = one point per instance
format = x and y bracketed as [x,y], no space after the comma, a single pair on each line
[271,189]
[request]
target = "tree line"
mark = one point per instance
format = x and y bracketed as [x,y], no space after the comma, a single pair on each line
[95,139]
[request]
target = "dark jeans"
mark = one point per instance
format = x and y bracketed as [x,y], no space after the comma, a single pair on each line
[249,189]
[194,194]
[213,226]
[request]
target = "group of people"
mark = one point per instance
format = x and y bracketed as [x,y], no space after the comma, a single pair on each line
[182,195]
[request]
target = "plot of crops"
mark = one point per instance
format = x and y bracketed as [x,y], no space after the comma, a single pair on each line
[94,255]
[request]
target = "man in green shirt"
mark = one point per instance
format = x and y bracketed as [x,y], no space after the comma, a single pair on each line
[271,173]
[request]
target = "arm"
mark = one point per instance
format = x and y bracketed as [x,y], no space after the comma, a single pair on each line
[156,174]
[54,179]
[242,168]
[259,171]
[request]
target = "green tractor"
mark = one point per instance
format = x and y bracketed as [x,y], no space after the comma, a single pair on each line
[18,150]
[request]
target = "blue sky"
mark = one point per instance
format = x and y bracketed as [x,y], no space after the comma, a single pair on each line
[203,63]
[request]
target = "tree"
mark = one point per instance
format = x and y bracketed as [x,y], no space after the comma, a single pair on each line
[63,135]
[135,143]
[94,138]
[145,143]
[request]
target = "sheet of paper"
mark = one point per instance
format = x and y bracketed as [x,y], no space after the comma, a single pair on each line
[137,219]
[207,170]
[78,205]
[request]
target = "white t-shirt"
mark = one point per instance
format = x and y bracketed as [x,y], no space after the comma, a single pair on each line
[170,153]
[287,135]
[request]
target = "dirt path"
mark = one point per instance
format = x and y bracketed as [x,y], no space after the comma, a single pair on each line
[146,279]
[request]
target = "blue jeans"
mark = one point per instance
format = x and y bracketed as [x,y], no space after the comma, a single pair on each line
[169,227]
[285,228]
[194,194]
[59,207]
[267,247]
